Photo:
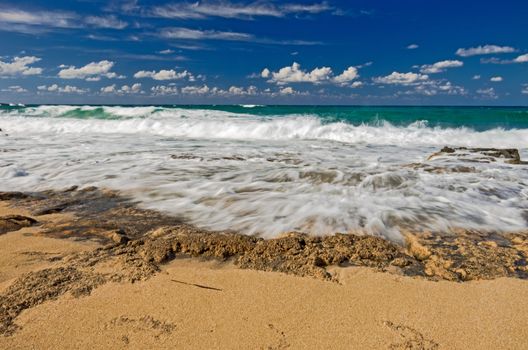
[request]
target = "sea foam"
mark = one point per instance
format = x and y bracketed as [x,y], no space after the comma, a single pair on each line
[267,174]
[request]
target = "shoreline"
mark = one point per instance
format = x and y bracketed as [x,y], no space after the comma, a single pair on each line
[156,282]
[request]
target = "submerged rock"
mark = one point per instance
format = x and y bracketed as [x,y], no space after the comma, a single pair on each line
[481,155]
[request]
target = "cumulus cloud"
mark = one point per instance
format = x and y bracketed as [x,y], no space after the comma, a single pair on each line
[287,91]
[162,90]
[265,73]
[294,74]
[521,59]
[440,67]
[91,72]
[109,22]
[164,75]
[487,93]
[438,87]
[14,88]
[412,47]
[227,9]
[123,90]
[476,77]
[347,76]
[166,52]
[525,89]
[497,79]
[19,66]
[484,50]
[195,90]
[397,78]
[356,84]
[68,89]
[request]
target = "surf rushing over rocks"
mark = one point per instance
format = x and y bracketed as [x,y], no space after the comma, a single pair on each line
[271,169]
[136,242]
[153,238]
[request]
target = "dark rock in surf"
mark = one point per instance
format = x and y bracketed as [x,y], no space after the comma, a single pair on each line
[447,150]
[509,155]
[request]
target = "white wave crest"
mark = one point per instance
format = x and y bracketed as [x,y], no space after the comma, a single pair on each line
[213,124]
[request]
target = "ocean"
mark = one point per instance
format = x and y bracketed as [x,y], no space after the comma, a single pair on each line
[266,170]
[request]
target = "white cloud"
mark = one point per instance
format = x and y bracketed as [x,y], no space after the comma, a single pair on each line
[181,33]
[347,76]
[162,90]
[195,34]
[123,90]
[476,77]
[19,66]
[525,89]
[68,89]
[496,79]
[521,59]
[164,75]
[111,22]
[92,71]
[412,47]
[133,89]
[226,9]
[166,52]
[265,73]
[195,90]
[240,91]
[287,91]
[35,21]
[294,74]
[356,84]
[396,78]
[109,89]
[484,50]
[488,93]
[15,88]
[18,20]
[432,88]
[440,67]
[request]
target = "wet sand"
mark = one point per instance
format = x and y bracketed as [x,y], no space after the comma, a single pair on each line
[67,282]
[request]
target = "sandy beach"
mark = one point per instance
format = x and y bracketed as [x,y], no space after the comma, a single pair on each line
[205,302]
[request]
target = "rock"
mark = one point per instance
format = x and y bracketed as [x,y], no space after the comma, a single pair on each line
[5,196]
[447,150]
[15,222]
[51,210]
[462,274]
[119,237]
[490,244]
[416,249]
[319,262]
[509,155]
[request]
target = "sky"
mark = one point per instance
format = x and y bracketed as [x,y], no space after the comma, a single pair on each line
[377,52]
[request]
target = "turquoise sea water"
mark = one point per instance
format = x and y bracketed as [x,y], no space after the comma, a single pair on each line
[477,118]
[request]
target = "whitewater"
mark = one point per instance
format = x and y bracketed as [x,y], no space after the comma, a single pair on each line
[269,170]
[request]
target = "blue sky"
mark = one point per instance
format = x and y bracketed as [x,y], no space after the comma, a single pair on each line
[285,52]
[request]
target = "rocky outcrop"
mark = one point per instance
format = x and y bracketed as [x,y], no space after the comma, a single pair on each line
[481,155]
[15,222]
